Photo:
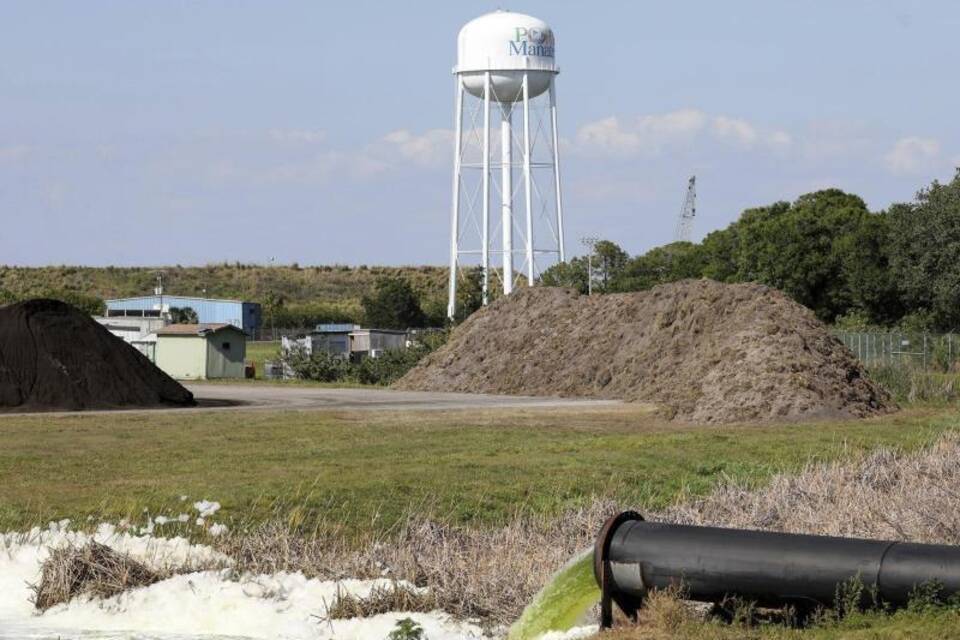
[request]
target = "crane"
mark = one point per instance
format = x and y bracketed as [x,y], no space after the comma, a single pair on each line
[685,223]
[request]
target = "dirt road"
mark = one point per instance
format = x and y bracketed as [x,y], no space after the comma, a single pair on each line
[306,397]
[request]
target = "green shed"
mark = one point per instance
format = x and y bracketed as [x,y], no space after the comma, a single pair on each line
[201,351]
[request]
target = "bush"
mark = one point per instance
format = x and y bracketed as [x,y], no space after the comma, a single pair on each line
[389,366]
[906,384]
[319,366]
[385,369]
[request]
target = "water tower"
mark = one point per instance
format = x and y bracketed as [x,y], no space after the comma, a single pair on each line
[506,69]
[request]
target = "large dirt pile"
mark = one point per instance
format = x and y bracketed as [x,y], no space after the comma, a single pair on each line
[54,357]
[706,351]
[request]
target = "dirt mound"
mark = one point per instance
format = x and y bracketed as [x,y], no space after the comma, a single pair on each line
[54,357]
[706,351]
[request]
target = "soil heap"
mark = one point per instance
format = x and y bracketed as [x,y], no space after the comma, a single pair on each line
[705,351]
[53,357]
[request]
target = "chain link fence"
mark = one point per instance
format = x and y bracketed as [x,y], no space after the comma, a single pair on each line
[923,351]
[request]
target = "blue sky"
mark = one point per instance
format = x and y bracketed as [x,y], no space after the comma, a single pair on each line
[319,132]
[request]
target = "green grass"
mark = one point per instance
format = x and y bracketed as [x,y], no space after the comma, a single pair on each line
[365,470]
[260,352]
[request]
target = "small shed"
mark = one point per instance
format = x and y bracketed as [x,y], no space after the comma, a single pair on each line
[201,351]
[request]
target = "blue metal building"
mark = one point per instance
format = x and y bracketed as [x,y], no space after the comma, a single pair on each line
[245,315]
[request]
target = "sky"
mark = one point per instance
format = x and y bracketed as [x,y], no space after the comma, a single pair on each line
[166,132]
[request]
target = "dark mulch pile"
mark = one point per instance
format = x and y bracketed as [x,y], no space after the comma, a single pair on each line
[53,357]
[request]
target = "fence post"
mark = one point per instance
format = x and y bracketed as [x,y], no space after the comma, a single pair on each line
[924,351]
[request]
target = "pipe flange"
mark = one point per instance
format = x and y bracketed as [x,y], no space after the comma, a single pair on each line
[601,569]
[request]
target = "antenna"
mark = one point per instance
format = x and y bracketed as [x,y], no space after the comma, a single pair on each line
[685,224]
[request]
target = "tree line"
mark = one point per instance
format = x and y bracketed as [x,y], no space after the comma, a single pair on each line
[827,250]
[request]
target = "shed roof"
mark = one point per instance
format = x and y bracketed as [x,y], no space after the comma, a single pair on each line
[195,329]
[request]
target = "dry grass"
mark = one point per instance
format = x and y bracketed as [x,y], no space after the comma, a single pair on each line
[886,495]
[93,570]
[395,597]
[488,574]
[492,574]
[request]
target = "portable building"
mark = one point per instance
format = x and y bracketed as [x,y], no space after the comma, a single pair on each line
[347,340]
[201,351]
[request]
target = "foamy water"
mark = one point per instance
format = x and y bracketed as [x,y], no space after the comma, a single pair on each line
[205,604]
[208,604]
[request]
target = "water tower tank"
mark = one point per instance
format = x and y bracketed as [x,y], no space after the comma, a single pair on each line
[506,44]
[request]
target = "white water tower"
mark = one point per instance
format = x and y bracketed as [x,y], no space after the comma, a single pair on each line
[506,65]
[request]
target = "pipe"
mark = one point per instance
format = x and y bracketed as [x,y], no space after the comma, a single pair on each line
[632,557]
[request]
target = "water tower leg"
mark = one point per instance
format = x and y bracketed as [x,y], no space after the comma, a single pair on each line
[506,195]
[527,177]
[455,212]
[556,167]
[485,251]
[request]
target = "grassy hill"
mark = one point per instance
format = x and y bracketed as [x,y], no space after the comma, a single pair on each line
[331,292]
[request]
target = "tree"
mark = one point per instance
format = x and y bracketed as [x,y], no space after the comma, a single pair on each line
[469,293]
[800,248]
[185,315]
[606,265]
[671,262]
[571,274]
[874,291]
[925,253]
[392,305]
[609,261]
[721,251]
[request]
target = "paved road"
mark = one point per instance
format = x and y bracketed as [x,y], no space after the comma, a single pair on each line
[307,397]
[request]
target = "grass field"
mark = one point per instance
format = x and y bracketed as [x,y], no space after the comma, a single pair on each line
[260,352]
[367,469]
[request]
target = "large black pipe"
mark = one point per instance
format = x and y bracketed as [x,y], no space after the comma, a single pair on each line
[632,557]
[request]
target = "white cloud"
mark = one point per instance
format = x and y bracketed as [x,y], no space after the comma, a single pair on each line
[648,133]
[740,131]
[651,134]
[912,155]
[431,149]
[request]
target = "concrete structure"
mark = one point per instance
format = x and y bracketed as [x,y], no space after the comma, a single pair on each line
[201,351]
[505,63]
[244,315]
[347,340]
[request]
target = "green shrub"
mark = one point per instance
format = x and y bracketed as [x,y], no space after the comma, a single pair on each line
[407,629]
[319,366]
[907,384]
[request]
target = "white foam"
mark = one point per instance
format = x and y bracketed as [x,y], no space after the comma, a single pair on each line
[201,605]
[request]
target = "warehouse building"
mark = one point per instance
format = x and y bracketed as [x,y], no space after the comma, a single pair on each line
[201,351]
[245,315]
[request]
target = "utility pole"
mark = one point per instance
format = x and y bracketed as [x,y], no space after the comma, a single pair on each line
[590,242]
[159,290]
[684,229]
